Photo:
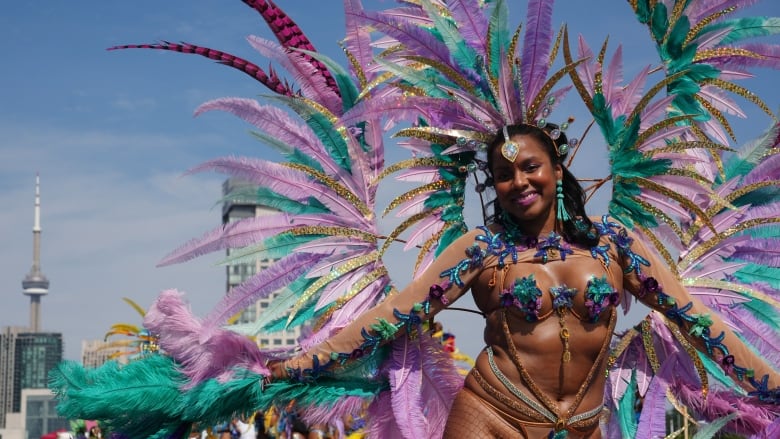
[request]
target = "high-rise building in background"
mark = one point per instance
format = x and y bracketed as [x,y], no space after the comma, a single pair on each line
[96,352]
[26,353]
[233,209]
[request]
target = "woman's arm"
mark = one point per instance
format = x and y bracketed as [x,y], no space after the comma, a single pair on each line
[446,280]
[654,284]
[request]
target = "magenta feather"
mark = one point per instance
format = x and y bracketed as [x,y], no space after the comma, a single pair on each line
[260,286]
[632,93]
[508,101]
[270,80]
[770,57]
[289,34]
[305,74]
[536,46]
[180,336]
[767,170]
[441,383]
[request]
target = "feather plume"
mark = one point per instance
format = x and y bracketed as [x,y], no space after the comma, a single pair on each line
[305,74]
[280,274]
[471,23]
[179,334]
[536,46]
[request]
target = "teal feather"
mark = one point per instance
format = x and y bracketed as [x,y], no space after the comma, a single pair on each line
[764,312]
[461,53]
[659,23]
[643,11]
[715,371]
[498,37]
[712,428]
[439,199]
[150,389]
[422,79]
[757,273]
[627,414]
[676,38]
[266,197]
[746,27]
[274,247]
[452,213]
[349,92]
[305,315]
[292,154]
[331,139]
[449,236]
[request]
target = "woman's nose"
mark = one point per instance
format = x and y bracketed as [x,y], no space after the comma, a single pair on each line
[519,180]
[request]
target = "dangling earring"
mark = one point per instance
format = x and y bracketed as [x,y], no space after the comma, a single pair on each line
[561,214]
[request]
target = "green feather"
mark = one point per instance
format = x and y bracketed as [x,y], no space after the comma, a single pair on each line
[349,92]
[715,371]
[439,199]
[659,22]
[643,11]
[676,38]
[627,414]
[424,79]
[277,246]
[708,431]
[758,273]
[460,52]
[498,38]
[746,27]
[290,153]
[451,234]
[453,213]
[334,144]
[264,196]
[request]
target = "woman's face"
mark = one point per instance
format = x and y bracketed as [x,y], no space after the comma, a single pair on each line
[526,187]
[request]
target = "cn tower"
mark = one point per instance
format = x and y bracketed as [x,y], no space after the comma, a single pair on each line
[35,283]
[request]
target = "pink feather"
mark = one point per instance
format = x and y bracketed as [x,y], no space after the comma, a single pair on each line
[424,230]
[180,336]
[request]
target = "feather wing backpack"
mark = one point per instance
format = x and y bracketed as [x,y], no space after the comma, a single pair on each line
[454,73]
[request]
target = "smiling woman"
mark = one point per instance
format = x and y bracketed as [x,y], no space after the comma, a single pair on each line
[473,99]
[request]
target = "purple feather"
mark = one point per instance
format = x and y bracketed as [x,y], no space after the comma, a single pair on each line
[278,123]
[381,422]
[703,8]
[760,335]
[536,46]
[180,336]
[358,38]
[260,286]
[759,251]
[331,413]
[652,421]
[404,371]
[471,23]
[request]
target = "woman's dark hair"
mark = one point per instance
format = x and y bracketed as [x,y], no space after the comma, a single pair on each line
[579,229]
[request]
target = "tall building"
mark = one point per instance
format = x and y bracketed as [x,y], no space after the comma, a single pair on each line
[27,354]
[35,283]
[96,352]
[25,361]
[238,207]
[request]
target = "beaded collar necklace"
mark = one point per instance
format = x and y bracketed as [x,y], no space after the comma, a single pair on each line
[553,241]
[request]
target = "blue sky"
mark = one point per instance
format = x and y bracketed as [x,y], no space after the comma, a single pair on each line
[112,132]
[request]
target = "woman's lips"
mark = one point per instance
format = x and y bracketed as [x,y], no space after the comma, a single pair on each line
[526,199]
